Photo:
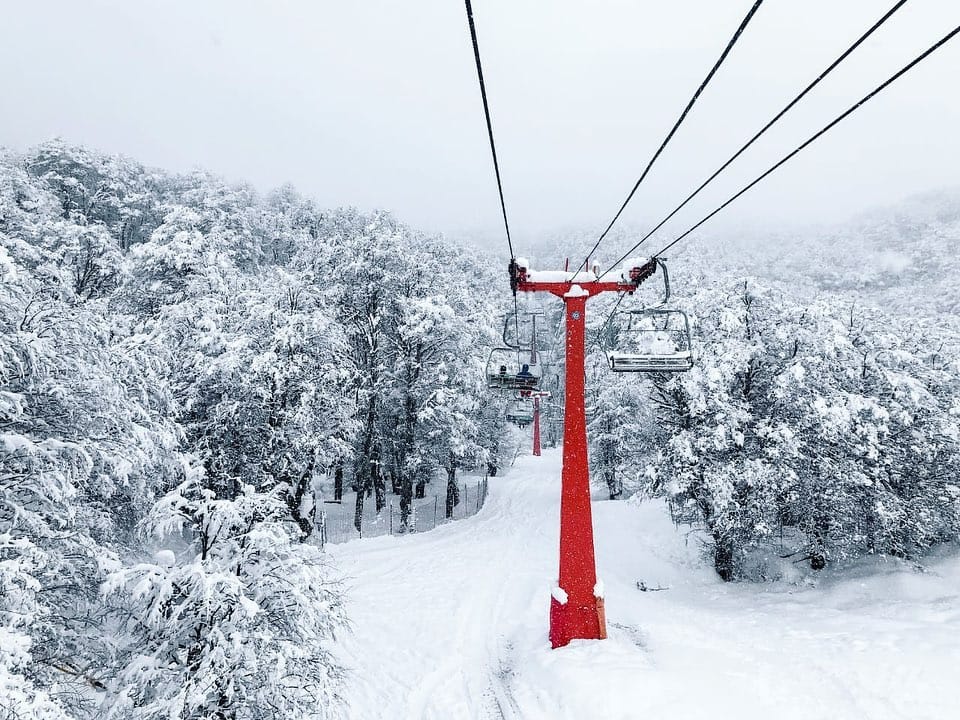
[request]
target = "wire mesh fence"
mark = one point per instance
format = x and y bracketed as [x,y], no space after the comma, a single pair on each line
[336,521]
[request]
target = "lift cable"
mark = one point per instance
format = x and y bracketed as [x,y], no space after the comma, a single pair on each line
[683,115]
[770,124]
[486,112]
[493,152]
[869,96]
[905,69]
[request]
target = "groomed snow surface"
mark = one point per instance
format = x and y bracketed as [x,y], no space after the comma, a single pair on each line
[452,624]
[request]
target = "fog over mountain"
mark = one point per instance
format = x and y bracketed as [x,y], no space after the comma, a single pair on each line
[374,103]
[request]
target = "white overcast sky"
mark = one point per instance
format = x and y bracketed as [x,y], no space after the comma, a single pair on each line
[374,103]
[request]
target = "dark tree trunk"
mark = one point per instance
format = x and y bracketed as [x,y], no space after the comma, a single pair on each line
[338,483]
[406,501]
[299,490]
[492,469]
[614,486]
[367,465]
[723,558]
[358,511]
[395,483]
[376,479]
[818,558]
[453,492]
[609,458]
[421,489]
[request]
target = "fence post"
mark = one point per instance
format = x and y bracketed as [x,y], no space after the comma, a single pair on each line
[464,499]
[391,517]
[413,517]
[478,496]
[435,499]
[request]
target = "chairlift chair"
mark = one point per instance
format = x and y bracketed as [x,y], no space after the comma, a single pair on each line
[520,412]
[651,340]
[508,369]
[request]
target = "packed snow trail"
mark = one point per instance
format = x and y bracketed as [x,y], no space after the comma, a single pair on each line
[452,624]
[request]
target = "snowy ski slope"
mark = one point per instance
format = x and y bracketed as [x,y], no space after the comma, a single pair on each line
[452,624]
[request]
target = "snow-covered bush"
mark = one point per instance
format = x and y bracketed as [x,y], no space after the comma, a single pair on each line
[826,428]
[240,628]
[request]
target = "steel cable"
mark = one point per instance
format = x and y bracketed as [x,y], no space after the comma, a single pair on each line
[493,152]
[673,130]
[766,127]
[849,111]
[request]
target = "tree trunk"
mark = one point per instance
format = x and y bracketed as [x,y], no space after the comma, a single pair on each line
[376,479]
[723,560]
[295,498]
[358,511]
[614,487]
[421,489]
[453,492]
[406,501]
[338,483]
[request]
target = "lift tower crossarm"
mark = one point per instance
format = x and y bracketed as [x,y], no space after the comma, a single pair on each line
[576,607]
[522,280]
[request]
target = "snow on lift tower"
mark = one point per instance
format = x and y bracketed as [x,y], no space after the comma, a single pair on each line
[652,339]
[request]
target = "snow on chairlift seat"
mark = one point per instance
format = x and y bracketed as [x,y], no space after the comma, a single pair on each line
[655,349]
[680,361]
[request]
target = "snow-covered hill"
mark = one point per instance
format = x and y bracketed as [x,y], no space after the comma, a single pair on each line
[902,257]
[453,624]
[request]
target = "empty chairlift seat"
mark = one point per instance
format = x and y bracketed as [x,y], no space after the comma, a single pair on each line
[655,340]
[520,412]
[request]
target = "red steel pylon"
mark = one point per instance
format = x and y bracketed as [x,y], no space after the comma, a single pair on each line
[576,607]
[536,426]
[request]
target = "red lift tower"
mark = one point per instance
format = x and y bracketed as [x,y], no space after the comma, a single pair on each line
[576,608]
[536,426]
[537,396]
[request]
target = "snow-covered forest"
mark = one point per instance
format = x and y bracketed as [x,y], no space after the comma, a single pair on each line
[188,369]
[822,418]
[185,369]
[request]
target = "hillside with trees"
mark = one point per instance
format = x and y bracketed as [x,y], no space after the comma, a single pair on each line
[821,421]
[185,366]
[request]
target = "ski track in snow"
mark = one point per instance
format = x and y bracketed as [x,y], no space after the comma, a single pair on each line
[452,623]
